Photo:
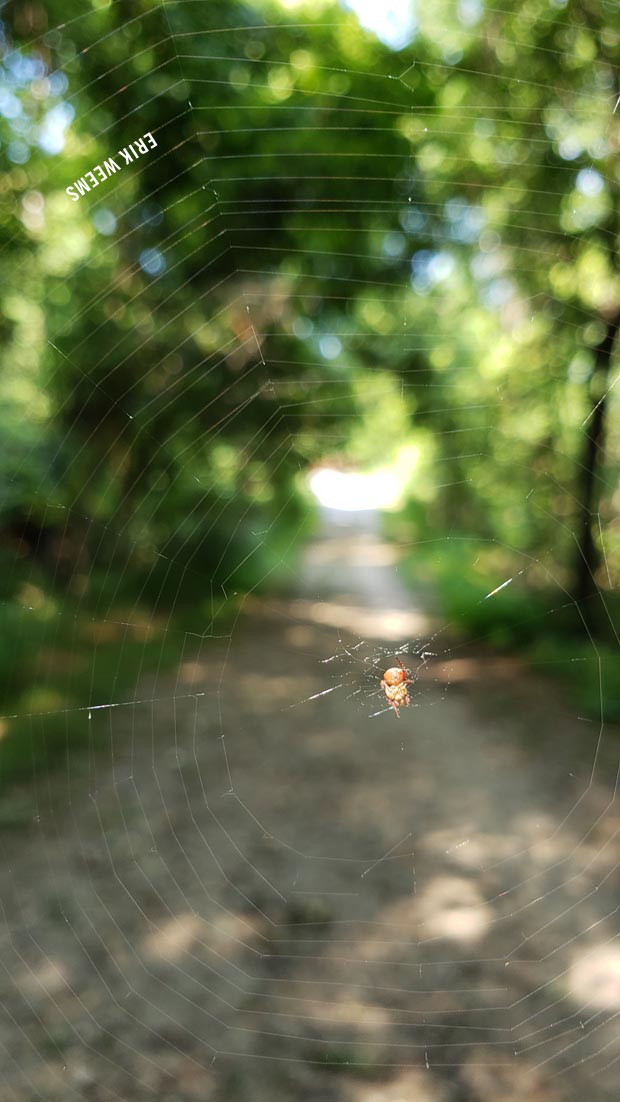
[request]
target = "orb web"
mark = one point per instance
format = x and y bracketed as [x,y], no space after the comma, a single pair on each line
[245,878]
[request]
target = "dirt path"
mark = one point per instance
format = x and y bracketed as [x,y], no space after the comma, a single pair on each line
[247,898]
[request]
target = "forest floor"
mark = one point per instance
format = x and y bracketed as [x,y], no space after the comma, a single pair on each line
[247,895]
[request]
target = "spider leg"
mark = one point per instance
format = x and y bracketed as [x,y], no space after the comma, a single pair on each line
[393,703]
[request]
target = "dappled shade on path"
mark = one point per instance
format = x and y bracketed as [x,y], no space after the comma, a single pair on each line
[263,890]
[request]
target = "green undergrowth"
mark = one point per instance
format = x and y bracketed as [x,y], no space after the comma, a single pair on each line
[61,659]
[67,647]
[532,618]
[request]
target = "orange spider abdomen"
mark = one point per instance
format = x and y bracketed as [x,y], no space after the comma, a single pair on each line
[395,676]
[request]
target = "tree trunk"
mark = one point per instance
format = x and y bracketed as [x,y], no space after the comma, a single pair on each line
[588,554]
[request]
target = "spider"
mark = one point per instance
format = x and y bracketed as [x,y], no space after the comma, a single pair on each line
[394,685]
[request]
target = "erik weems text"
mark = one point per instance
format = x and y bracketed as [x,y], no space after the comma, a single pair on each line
[100,173]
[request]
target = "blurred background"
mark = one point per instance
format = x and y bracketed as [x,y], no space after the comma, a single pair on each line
[324,379]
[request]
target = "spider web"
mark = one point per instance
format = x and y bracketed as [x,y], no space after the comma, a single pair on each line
[256,883]
[371,666]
